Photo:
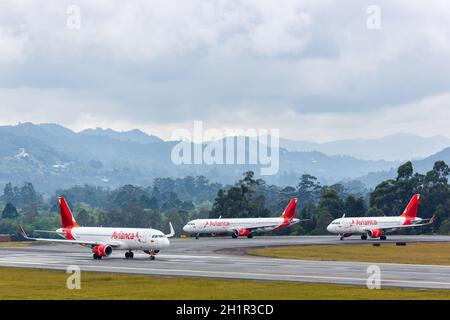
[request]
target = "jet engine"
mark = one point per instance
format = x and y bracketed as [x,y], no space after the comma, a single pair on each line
[102,250]
[377,233]
[243,232]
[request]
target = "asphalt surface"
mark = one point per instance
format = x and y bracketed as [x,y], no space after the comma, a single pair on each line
[225,258]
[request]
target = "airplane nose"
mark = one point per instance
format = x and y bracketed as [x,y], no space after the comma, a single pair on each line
[329,228]
[185,228]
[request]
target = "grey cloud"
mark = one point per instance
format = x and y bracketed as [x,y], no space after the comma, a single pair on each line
[170,62]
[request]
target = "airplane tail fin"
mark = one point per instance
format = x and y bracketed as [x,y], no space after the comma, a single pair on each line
[289,212]
[412,208]
[67,220]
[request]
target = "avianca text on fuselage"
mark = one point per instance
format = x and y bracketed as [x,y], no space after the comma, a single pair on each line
[103,241]
[377,227]
[245,226]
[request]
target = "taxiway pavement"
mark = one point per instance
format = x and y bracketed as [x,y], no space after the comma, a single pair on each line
[225,258]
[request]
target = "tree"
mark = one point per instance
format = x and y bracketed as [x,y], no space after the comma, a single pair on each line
[323,221]
[405,171]
[308,188]
[84,218]
[355,207]
[308,214]
[330,201]
[9,212]
[375,212]
[8,193]
[31,213]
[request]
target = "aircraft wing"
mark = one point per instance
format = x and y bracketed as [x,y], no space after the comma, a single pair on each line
[172,231]
[81,242]
[260,228]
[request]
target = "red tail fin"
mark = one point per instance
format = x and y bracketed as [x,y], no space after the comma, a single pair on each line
[67,220]
[412,207]
[289,212]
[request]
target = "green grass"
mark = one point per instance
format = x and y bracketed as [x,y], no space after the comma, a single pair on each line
[414,253]
[16,283]
[15,244]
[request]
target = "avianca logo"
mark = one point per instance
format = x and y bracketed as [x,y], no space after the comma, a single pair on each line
[217,224]
[124,235]
[364,222]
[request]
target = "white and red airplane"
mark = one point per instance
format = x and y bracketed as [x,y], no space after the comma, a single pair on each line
[243,226]
[103,241]
[377,227]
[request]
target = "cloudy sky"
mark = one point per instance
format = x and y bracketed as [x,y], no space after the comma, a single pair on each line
[311,68]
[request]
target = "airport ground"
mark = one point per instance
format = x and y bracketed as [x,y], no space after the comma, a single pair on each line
[25,284]
[413,253]
[222,268]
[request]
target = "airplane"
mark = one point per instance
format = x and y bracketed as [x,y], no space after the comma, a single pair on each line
[377,227]
[103,241]
[243,226]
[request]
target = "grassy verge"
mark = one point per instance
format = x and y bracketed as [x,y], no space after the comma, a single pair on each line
[415,253]
[18,244]
[16,283]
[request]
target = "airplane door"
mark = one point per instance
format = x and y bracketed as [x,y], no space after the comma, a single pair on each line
[142,237]
[346,224]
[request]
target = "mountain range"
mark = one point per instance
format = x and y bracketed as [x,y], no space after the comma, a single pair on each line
[396,147]
[54,157]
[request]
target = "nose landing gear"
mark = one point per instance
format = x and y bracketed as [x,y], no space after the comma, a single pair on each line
[151,253]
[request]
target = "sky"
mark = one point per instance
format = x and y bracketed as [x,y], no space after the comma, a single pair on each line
[317,70]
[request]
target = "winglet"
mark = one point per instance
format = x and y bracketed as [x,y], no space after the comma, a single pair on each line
[172,231]
[433,219]
[24,234]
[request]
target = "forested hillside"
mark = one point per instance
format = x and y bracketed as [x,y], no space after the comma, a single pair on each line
[179,200]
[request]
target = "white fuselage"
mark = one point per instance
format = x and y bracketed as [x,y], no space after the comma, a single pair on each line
[360,225]
[125,238]
[219,226]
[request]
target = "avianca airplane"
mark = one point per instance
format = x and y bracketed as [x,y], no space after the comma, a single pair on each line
[245,226]
[103,241]
[377,227]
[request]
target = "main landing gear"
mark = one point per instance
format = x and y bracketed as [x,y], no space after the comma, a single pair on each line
[96,257]
[364,237]
[129,255]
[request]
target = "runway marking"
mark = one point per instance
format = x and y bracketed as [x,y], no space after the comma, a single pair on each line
[222,274]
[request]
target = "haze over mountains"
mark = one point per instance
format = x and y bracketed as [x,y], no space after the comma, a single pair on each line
[396,147]
[53,157]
